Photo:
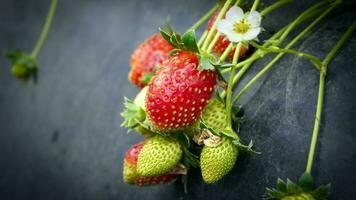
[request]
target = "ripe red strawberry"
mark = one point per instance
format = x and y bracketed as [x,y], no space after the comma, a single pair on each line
[146,57]
[178,92]
[132,177]
[223,42]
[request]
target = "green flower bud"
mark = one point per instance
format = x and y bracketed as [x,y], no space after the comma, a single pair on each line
[20,71]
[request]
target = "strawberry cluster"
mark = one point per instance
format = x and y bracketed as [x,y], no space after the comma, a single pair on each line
[184,124]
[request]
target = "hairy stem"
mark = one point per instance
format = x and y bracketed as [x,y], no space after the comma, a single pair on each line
[255,5]
[46,27]
[213,28]
[229,86]
[316,61]
[202,38]
[274,6]
[280,55]
[321,95]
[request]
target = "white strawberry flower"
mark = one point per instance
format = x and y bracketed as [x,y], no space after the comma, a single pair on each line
[238,26]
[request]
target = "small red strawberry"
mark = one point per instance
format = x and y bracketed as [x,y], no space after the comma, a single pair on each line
[146,57]
[223,42]
[132,177]
[178,92]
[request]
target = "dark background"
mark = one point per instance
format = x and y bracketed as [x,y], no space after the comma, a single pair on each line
[61,139]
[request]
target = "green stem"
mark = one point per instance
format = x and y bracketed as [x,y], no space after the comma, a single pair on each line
[295,22]
[213,42]
[280,55]
[229,86]
[213,28]
[45,29]
[255,5]
[321,95]
[263,13]
[274,6]
[202,38]
[313,59]
[205,17]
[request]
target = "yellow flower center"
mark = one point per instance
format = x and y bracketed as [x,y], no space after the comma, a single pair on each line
[241,27]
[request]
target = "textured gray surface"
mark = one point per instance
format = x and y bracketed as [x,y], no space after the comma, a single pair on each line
[61,139]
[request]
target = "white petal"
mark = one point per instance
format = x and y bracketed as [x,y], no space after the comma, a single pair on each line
[254,19]
[251,34]
[235,14]
[234,37]
[225,26]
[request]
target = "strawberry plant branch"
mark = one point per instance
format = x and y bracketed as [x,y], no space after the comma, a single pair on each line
[255,5]
[213,28]
[295,22]
[263,13]
[273,49]
[45,29]
[321,95]
[229,86]
[280,55]
[311,12]
[274,6]
[205,17]
[217,35]
[202,38]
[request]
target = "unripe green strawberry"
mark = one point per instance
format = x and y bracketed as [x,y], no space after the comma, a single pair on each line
[216,162]
[158,156]
[131,176]
[300,196]
[215,115]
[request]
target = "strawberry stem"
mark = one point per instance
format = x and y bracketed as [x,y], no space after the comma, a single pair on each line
[280,55]
[309,13]
[321,95]
[264,12]
[46,27]
[213,28]
[202,38]
[274,6]
[255,5]
[205,17]
[316,61]
[229,86]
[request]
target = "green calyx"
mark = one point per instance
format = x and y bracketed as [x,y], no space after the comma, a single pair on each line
[133,115]
[24,66]
[305,189]
[158,156]
[186,42]
[217,162]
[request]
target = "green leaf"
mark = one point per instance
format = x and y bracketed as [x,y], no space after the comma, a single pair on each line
[228,132]
[247,148]
[186,42]
[281,185]
[145,78]
[183,139]
[133,114]
[322,192]
[190,159]
[306,182]
[190,42]
[205,64]
[292,187]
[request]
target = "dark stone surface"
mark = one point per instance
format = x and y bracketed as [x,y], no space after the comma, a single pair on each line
[61,139]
